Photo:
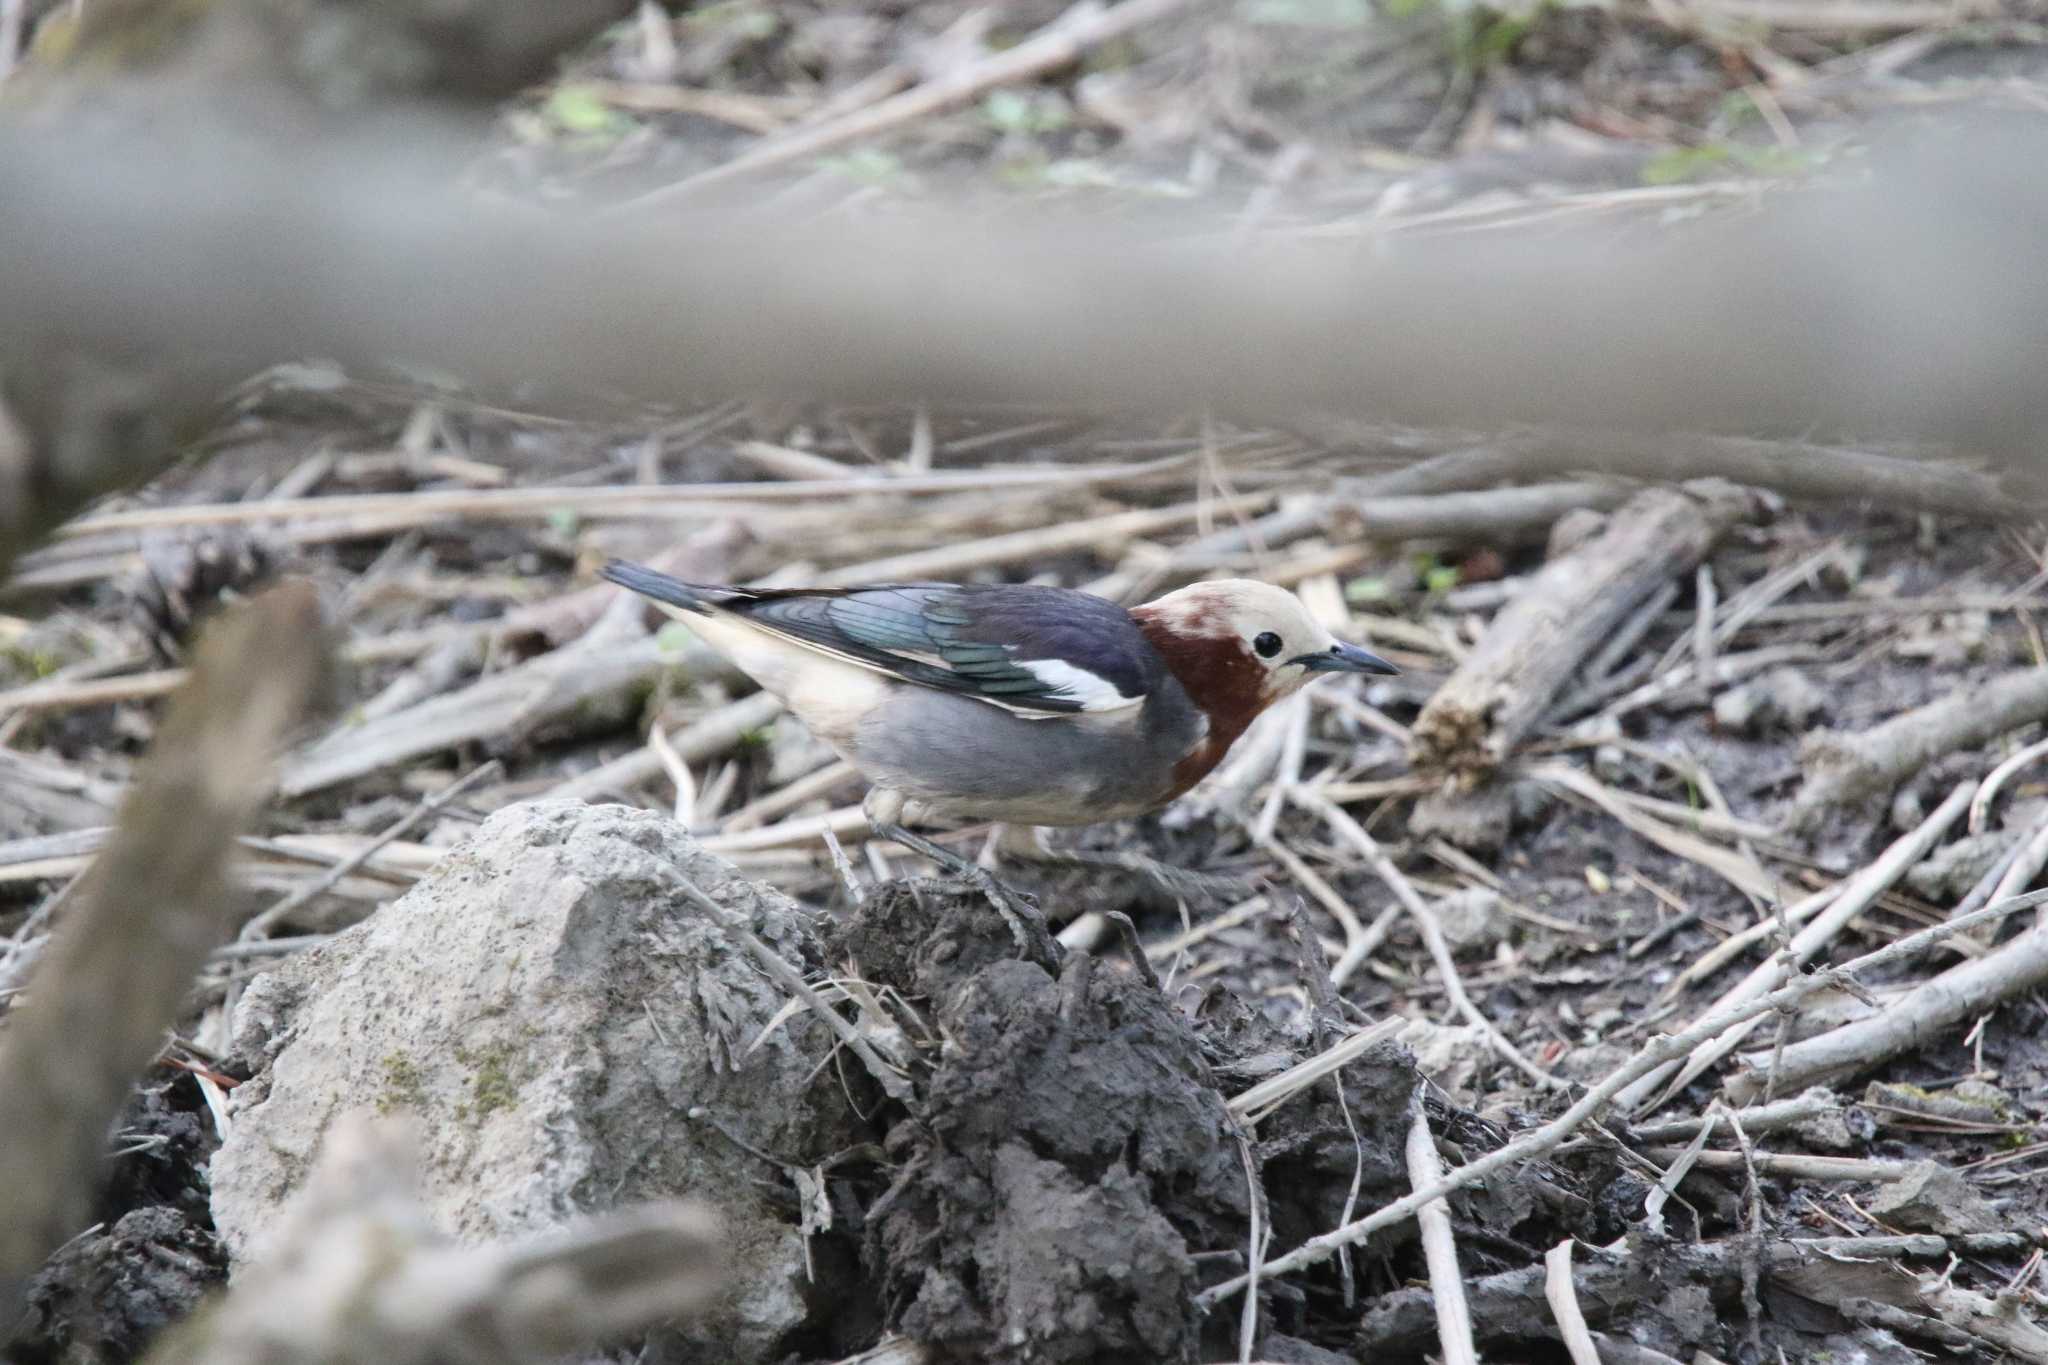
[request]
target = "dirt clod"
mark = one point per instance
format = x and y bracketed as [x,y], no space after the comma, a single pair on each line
[103,1297]
[1073,1153]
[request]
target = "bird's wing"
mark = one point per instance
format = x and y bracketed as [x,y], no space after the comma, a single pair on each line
[1034,650]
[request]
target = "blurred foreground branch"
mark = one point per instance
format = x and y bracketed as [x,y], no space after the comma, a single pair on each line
[86,410]
[358,1275]
[1900,306]
[149,911]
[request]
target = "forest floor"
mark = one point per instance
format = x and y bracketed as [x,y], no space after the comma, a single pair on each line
[1709,779]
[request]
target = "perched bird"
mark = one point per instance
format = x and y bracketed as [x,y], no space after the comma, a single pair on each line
[1011,702]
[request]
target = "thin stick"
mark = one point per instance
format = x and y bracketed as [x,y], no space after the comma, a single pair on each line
[54,694]
[843,866]
[1425,922]
[1706,598]
[1564,1305]
[891,1080]
[1857,896]
[1253,1105]
[1085,26]
[1255,1251]
[679,776]
[1987,792]
[1658,1052]
[261,925]
[1795,1165]
[628,501]
[1439,1246]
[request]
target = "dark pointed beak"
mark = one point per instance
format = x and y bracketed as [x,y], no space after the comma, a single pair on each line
[1343,658]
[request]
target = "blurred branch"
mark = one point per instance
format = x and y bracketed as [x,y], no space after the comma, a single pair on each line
[1887,307]
[293,207]
[1798,469]
[149,911]
[358,1275]
[83,411]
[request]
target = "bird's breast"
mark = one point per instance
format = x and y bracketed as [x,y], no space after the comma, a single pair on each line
[1199,761]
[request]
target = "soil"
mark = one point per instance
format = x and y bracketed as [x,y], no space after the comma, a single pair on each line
[1066,1178]
[150,1258]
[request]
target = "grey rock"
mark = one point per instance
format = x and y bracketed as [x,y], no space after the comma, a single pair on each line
[1783,698]
[1471,919]
[573,1036]
[1932,1197]
[1949,872]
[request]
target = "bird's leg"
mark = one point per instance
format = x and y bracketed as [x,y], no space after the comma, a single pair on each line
[1027,925]
[1177,882]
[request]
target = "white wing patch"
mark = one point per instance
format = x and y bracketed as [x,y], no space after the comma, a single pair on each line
[1078,685]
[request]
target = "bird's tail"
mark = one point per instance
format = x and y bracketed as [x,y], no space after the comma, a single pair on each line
[697,597]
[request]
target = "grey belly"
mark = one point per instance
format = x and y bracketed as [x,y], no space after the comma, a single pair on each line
[968,760]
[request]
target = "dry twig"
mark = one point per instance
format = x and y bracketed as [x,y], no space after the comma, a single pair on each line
[1439,1247]
[1847,770]
[358,1275]
[151,909]
[1853,899]
[1658,1052]
[1534,646]
[1962,992]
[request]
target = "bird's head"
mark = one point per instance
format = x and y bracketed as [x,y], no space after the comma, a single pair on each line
[1238,646]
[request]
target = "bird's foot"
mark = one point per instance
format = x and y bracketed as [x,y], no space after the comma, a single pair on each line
[1027,925]
[1178,882]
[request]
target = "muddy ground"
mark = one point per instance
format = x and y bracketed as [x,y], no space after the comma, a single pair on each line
[1068,1177]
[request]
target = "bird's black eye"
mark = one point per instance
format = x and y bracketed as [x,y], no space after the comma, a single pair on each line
[1267,643]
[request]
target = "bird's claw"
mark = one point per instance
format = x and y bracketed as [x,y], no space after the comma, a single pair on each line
[1019,910]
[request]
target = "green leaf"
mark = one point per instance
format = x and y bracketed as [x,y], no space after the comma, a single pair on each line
[580,109]
[1007,111]
[1682,164]
[870,165]
[1370,589]
[1018,111]
[1306,13]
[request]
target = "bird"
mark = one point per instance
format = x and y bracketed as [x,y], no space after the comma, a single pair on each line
[1012,702]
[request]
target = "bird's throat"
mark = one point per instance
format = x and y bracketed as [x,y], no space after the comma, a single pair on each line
[1223,680]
